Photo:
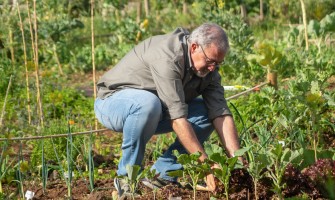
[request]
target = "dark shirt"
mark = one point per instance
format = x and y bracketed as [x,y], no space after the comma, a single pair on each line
[162,65]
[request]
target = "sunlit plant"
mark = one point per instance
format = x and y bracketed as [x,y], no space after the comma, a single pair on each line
[193,168]
[279,158]
[226,165]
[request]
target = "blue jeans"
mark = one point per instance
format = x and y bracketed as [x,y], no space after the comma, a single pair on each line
[138,115]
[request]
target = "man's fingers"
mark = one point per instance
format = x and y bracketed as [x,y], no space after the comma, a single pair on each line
[210,182]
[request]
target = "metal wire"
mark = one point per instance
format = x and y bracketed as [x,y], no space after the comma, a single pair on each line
[101,130]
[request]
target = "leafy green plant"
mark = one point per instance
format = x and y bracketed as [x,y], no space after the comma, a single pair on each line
[5,165]
[192,168]
[279,158]
[257,164]
[227,165]
[266,55]
[134,175]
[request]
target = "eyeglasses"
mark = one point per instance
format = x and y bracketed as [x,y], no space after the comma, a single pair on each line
[210,61]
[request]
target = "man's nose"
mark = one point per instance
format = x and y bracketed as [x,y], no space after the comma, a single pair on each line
[212,67]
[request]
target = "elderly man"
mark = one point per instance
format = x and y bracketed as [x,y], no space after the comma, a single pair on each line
[155,89]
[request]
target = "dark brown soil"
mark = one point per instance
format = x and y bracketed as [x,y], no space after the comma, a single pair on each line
[300,184]
[241,187]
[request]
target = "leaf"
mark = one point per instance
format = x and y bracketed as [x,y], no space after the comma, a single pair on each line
[213,148]
[133,171]
[327,24]
[314,27]
[218,158]
[241,151]
[178,173]
[330,99]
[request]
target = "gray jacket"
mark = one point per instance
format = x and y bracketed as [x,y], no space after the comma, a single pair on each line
[162,65]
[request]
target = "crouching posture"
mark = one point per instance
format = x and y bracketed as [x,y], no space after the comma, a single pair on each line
[169,83]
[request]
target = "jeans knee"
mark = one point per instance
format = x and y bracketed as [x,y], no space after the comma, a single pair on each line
[152,107]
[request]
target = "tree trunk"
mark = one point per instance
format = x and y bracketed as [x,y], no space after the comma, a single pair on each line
[147,7]
[261,13]
[185,8]
[243,12]
[139,11]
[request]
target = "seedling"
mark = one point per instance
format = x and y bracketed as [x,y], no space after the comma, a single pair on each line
[193,168]
[256,168]
[279,159]
[134,177]
[227,165]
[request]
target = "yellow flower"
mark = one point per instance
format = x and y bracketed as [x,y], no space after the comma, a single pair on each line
[71,122]
[314,98]
[24,166]
[144,24]
[221,4]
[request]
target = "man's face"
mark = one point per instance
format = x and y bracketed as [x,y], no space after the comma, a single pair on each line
[204,59]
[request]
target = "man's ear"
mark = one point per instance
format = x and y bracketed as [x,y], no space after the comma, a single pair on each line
[193,47]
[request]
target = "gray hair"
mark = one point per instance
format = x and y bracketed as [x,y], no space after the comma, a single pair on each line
[209,33]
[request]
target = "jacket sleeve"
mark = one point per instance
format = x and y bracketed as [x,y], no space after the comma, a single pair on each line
[214,99]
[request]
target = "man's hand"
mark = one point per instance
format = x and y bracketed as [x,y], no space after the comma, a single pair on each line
[225,127]
[210,182]
[187,137]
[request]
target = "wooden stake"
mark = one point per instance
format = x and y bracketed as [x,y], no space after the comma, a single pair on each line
[35,55]
[272,79]
[304,18]
[139,11]
[25,64]
[261,13]
[147,8]
[39,100]
[5,101]
[93,59]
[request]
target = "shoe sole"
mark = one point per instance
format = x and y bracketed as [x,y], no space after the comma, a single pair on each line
[117,187]
[149,184]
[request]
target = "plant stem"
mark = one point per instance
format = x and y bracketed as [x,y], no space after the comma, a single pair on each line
[11,46]
[91,163]
[255,187]
[19,171]
[57,60]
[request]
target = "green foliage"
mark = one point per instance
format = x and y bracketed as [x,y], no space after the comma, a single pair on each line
[59,102]
[266,55]
[257,164]
[300,112]
[279,158]
[227,165]
[6,70]
[134,175]
[192,168]
[55,148]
